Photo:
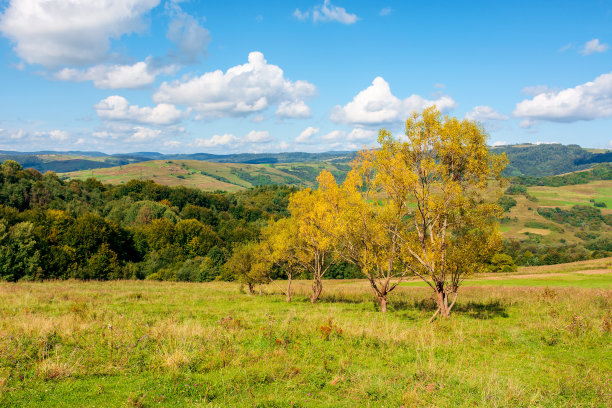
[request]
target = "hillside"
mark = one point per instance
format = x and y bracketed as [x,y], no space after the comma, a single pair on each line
[549,159]
[210,176]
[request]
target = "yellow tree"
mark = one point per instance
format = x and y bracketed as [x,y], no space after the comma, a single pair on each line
[311,215]
[365,229]
[280,244]
[438,177]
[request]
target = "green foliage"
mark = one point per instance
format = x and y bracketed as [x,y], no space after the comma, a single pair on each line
[546,159]
[53,229]
[598,172]
[578,216]
[506,203]
[502,263]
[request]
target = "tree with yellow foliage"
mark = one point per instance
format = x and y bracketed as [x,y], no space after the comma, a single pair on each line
[312,216]
[438,176]
[365,229]
[281,244]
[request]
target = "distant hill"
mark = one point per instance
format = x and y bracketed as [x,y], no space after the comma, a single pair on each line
[212,176]
[549,159]
[525,159]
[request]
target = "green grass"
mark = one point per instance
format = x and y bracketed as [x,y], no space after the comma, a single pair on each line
[576,279]
[130,343]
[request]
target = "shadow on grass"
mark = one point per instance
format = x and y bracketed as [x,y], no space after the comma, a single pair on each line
[481,310]
[476,310]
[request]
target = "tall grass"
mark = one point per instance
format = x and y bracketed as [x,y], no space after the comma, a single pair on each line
[148,343]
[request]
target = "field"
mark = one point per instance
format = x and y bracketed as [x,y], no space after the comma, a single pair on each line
[510,343]
[524,219]
[210,176]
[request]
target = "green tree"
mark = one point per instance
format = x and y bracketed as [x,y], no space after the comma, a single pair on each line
[248,266]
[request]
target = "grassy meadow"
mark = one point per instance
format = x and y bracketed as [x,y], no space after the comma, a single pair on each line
[143,343]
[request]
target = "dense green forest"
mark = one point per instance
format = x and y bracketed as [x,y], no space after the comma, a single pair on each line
[55,229]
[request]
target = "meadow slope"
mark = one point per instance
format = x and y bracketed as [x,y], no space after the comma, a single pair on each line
[135,343]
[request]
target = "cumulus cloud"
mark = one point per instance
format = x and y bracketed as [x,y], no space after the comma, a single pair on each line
[333,136]
[326,12]
[306,135]
[242,90]
[117,108]
[588,101]
[362,135]
[217,140]
[137,75]
[485,113]
[258,136]
[293,109]
[70,32]
[190,38]
[59,135]
[228,140]
[143,134]
[594,46]
[376,105]
[500,143]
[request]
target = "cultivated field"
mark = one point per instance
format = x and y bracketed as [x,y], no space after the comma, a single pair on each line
[131,343]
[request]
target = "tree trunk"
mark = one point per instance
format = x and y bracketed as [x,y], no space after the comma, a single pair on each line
[251,289]
[383,303]
[288,298]
[317,287]
[442,302]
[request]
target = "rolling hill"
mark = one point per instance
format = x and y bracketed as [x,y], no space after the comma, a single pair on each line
[211,176]
[524,159]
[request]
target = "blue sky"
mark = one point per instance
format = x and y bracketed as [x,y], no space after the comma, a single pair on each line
[252,76]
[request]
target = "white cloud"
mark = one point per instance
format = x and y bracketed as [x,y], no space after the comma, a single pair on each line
[241,91]
[144,134]
[527,123]
[117,108]
[258,119]
[333,136]
[361,134]
[293,109]
[255,136]
[190,38]
[115,76]
[594,46]
[54,135]
[536,89]
[385,11]
[172,143]
[326,12]
[500,143]
[70,32]
[306,135]
[376,105]
[301,15]
[485,113]
[59,135]
[217,140]
[228,140]
[584,102]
